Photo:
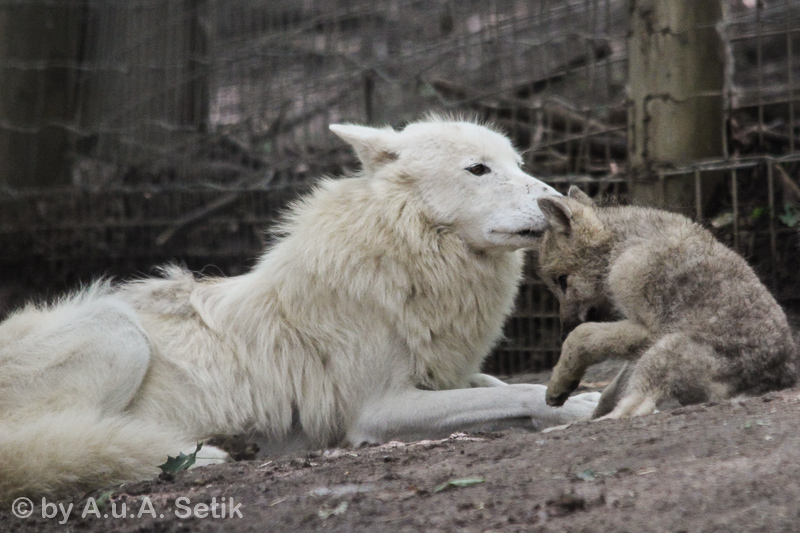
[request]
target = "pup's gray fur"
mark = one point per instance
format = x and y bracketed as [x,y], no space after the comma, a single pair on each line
[688,310]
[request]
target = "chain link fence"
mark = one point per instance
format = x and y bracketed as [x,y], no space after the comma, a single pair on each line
[143,131]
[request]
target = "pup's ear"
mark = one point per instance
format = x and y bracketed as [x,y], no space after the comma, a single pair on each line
[374,147]
[557,213]
[580,196]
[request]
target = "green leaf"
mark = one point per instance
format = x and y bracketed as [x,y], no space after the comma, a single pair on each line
[758,212]
[103,499]
[791,215]
[456,483]
[181,462]
[590,474]
[426,90]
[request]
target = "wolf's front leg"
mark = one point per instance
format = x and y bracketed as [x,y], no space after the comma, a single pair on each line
[590,343]
[418,414]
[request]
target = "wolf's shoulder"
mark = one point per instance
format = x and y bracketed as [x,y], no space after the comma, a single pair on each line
[168,293]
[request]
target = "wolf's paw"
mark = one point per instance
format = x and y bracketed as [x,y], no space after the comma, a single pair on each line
[211,455]
[593,397]
[578,408]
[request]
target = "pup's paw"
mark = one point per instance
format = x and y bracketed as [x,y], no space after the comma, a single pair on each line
[636,404]
[558,390]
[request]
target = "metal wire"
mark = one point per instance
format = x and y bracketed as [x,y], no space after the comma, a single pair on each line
[174,104]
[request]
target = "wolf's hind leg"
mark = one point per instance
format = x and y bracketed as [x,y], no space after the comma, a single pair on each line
[87,353]
[590,343]
[674,367]
[208,455]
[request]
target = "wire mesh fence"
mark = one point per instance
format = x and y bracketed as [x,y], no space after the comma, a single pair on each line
[138,132]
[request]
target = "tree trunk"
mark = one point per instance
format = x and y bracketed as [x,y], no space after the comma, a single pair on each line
[676,78]
[149,90]
[39,47]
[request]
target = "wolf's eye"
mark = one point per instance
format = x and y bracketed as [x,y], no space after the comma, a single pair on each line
[562,282]
[478,169]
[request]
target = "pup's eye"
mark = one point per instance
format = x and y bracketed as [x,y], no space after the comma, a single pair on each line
[478,169]
[562,282]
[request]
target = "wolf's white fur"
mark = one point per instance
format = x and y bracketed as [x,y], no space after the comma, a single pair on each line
[367,320]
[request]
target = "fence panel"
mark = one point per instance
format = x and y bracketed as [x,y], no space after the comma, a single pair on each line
[184,126]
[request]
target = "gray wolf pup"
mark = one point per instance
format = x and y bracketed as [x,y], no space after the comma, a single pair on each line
[690,312]
[367,320]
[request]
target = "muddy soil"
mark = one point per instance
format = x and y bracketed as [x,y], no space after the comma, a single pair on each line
[730,466]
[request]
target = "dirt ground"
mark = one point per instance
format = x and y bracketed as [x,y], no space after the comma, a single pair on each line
[731,466]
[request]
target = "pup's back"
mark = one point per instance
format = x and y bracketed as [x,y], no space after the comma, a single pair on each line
[673,275]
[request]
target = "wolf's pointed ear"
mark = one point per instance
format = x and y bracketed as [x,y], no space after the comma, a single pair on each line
[374,147]
[557,213]
[580,196]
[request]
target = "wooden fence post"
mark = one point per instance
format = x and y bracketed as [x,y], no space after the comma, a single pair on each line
[676,78]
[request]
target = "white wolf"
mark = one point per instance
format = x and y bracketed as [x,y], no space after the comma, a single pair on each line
[367,320]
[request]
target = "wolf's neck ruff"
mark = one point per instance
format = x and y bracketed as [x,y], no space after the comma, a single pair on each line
[401,271]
